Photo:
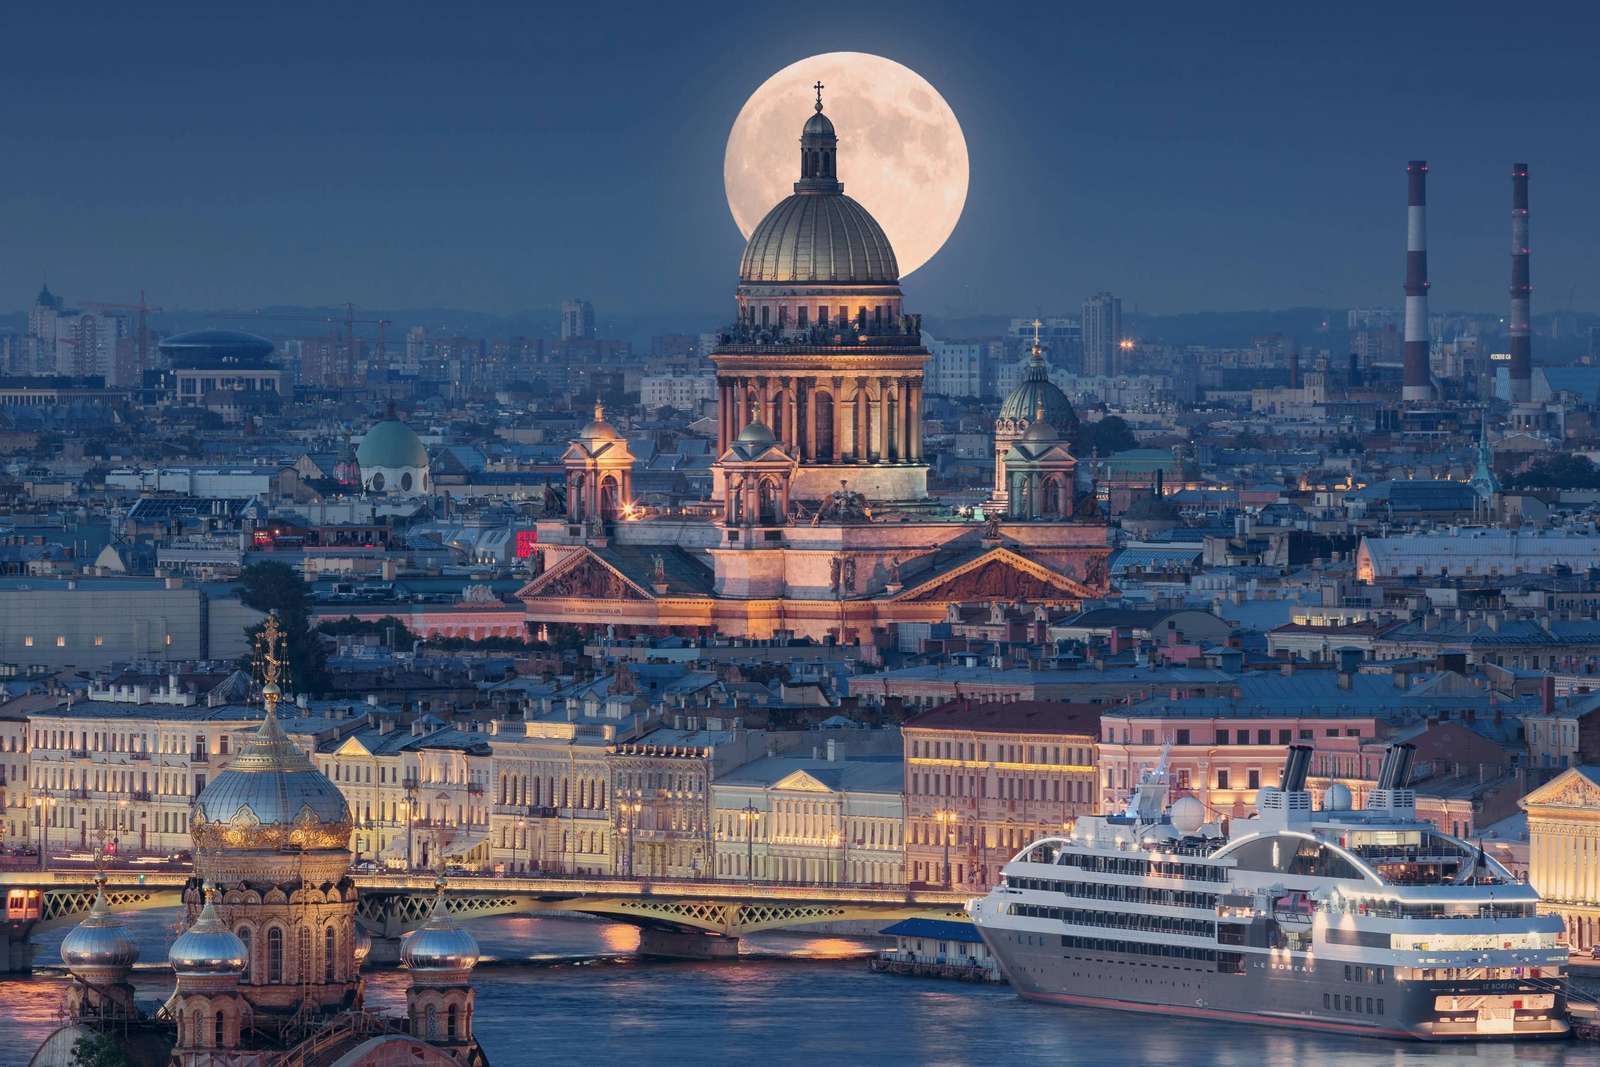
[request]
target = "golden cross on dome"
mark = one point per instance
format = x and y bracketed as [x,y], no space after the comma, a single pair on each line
[819,87]
[1037,323]
[599,410]
[270,645]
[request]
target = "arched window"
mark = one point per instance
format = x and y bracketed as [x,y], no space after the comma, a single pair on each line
[274,955]
[610,504]
[405,482]
[822,447]
[329,940]
[430,1025]
[246,935]
[217,1035]
[452,1018]
[770,503]
[377,483]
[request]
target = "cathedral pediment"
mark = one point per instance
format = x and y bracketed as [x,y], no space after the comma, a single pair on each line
[584,576]
[1572,789]
[999,573]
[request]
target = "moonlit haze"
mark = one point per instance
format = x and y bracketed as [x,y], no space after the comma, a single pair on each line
[901,150]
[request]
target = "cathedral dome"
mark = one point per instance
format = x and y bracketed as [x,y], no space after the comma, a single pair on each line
[271,798]
[819,237]
[598,429]
[756,433]
[208,947]
[100,941]
[1039,399]
[439,944]
[391,443]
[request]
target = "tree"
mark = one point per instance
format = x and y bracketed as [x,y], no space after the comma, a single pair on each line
[393,630]
[1559,472]
[273,586]
[1105,437]
[99,1050]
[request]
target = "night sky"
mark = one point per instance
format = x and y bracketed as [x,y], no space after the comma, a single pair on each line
[496,157]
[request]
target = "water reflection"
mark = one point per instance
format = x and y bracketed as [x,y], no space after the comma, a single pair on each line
[575,997]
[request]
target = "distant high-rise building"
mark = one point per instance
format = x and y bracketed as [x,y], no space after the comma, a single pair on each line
[577,319]
[1102,334]
[1061,336]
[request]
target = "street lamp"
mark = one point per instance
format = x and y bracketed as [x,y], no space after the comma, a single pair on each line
[748,815]
[42,803]
[947,819]
[628,811]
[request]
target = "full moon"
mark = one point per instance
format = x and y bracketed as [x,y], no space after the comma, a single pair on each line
[901,151]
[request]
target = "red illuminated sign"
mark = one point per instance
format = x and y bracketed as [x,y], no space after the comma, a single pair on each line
[526,539]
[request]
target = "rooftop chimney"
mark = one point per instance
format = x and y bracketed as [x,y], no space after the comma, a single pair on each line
[1295,768]
[1521,337]
[1417,376]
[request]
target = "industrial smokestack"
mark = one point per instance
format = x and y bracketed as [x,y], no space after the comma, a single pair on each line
[1521,338]
[1417,376]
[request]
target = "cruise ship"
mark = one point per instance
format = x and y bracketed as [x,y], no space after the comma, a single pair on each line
[1366,921]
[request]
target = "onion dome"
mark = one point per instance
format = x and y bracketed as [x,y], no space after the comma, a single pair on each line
[363,945]
[439,944]
[271,798]
[208,947]
[100,941]
[1038,398]
[819,234]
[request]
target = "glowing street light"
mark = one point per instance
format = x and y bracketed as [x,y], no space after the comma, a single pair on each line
[947,819]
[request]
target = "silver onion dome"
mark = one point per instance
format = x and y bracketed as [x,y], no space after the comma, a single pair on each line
[439,944]
[363,945]
[271,797]
[208,947]
[101,940]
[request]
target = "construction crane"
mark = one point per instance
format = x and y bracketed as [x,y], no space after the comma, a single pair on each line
[144,310]
[348,319]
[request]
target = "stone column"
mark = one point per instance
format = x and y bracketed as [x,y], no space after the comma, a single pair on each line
[791,415]
[724,415]
[838,419]
[915,412]
[808,450]
[1064,497]
[892,418]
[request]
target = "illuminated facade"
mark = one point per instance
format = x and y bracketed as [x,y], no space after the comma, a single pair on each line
[1564,852]
[822,525]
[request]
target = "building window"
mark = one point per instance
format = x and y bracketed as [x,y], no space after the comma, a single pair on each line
[1255,779]
[99,641]
[275,956]
[1222,737]
[27,641]
[1222,779]
[1183,737]
[61,640]
[168,640]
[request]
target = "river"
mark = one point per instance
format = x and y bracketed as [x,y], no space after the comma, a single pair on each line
[563,991]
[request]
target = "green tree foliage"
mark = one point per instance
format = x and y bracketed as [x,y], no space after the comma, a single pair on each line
[99,1050]
[273,586]
[1559,472]
[1104,437]
[394,632]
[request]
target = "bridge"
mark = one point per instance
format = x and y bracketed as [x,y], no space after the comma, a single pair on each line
[681,918]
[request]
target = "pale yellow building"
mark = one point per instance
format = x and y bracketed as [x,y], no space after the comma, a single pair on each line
[1564,851]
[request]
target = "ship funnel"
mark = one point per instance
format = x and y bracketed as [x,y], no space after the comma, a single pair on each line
[1295,768]
[1396,769]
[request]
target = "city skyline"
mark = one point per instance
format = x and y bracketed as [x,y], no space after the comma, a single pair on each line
[431,183]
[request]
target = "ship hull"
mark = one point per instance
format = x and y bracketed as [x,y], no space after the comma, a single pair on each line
[1271,991]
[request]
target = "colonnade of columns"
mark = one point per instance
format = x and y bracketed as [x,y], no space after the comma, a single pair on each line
[1036,495]
[827,419]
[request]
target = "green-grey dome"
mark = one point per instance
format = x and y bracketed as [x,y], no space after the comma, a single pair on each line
[393,444]
[1038,399]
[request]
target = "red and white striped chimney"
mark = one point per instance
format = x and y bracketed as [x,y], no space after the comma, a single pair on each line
[1418,378]
[1521,336]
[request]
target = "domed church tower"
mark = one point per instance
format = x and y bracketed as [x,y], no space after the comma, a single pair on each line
[272,833]
[100,955]
[440,1002]
[209,1013]
[822,353]
[1036,399]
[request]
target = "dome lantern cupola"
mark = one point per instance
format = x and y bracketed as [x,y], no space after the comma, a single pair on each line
[208,947]
[819,151]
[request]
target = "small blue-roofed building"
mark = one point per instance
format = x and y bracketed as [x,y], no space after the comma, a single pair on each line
[938,948]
